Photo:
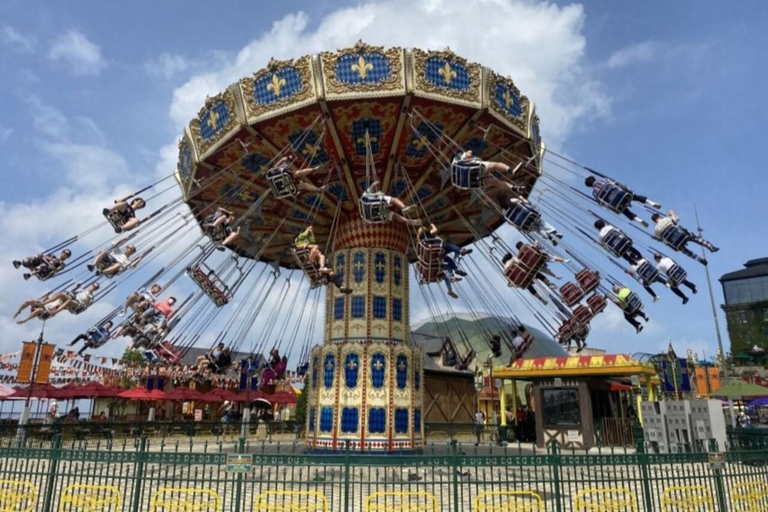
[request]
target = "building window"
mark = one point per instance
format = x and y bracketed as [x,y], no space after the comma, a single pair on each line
[358,307]
[338,308]
[401,421]
[379,307]
[417,420]
[744,317]
[351,369]
[561,407]
[378,370]
[326,419]
[397,309]
[377,420]
[765,315]
[401,371]
[350,417]
[328,369]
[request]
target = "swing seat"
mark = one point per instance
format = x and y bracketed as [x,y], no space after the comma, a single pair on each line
[583,314]
[467,174]
[527,342]
[165,350]
[596,303]
[617,242]
[521,273]
[281,182]
[614,197]
[567,330]
[430,260]
[675,237]
[302,369]
[571,294]
[523,217]
[677,275]
[118,219]
[217,235]
[647,273]
[374,208]
[211,284]
[633,304]
[588,280]
[311,269]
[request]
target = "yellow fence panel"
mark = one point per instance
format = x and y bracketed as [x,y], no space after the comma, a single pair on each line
[508,501]
[17,496]
[605,500]
[401,502]
[171,499]
[692,498]
[750,496]
[291,501]
[90,498]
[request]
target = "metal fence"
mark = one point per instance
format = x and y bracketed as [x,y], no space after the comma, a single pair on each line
[165,475]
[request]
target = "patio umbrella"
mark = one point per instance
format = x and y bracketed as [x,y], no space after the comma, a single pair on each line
[221,395]
[250,396]
[740,389]
[759,402]
[142,394]
[6,391]
[39,391]
[185,395]
[282,397]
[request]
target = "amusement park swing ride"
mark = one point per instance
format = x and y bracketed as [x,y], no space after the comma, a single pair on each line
[342,170]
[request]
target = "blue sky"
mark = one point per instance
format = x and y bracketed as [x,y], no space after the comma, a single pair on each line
[665,96]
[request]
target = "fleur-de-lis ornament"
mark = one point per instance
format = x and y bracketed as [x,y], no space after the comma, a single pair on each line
[277,85]
[447,73]
[362,67]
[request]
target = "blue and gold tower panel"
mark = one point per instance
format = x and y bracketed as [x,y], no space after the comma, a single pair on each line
[365,382]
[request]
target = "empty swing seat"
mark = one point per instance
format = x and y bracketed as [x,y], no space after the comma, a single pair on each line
[311,269]
[677,275]
[521,273]
[571,294]
[430,260]
[596,303]
[281,182]
[617,242]
[588,280]
[675,237]
[614,197]
[583,314]
[374,208]
[647,273]
[165,350]
[523,217]
[211,284]
[467,174]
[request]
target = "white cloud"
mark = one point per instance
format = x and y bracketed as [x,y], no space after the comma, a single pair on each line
[5,133]
[11,37]
[641,52]
[48,120]
[166,65]
[81,55]
[87,166]
[543,53]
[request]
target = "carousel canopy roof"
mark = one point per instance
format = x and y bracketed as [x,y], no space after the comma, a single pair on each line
[414,105]
[575,366]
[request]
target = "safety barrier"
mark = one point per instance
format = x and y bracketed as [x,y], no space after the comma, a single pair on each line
[135,475]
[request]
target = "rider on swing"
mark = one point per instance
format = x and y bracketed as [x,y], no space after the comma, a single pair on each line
[397,208]
[298,176]
[671,221]
[600,186]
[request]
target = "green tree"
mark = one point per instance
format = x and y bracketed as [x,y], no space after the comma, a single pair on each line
[301,409]
[133,358]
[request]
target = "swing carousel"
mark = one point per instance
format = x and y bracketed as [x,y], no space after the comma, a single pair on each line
[353,175]
[375,116]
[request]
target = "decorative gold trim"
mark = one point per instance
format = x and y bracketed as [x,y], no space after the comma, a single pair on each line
[335,87]
[227,96]
[185,182]
[302,65]
[519,122]
[471,94]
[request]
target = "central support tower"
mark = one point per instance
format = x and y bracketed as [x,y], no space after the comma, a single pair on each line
[365,382]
